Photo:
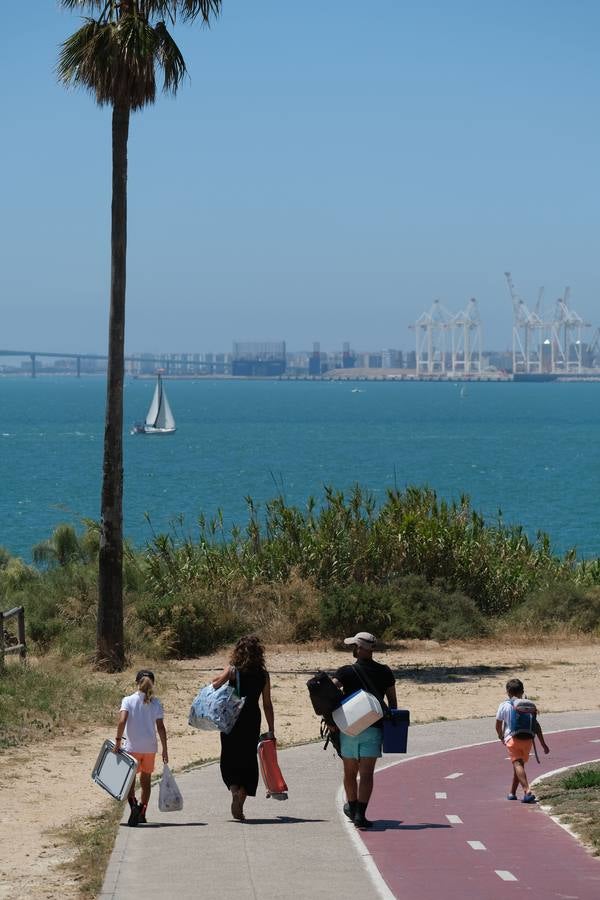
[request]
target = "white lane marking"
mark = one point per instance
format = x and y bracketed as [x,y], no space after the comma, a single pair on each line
[505,875]
[595,741]
[476,845]
[441,795]
[454,775]
[455,820]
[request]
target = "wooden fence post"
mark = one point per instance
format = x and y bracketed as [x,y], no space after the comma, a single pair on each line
[1,641]
[21,633]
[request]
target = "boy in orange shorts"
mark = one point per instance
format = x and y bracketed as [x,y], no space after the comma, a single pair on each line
[518,748]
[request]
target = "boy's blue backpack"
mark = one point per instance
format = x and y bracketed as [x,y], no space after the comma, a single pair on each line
[523,718]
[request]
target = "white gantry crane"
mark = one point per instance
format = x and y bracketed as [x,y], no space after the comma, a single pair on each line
[567,346]
[431,330]
[466,340]
[528,333]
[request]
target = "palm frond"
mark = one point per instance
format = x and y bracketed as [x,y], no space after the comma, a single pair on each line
[170,59]
[206,9]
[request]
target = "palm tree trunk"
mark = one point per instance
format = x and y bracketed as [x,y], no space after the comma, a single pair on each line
[110,651]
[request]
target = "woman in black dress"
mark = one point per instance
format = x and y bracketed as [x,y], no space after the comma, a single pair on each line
[239,762]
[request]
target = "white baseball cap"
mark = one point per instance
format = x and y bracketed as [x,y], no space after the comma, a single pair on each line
[362,639]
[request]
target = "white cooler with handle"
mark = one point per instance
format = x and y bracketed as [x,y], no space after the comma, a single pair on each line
[357,712]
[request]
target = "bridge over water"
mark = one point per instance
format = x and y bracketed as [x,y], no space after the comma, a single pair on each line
[170,363]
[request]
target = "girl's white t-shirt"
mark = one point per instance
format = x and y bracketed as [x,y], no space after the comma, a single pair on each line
[140,729]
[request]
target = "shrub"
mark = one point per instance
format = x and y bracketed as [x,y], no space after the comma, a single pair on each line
[186,625]
[460,619]
[408,607]
[564,603]
[346,609]
[423,610]
[281,612]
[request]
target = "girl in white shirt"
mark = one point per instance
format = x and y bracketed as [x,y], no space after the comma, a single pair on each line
[141,716]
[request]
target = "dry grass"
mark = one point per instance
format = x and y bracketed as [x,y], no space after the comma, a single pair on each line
[45,697]
[89,843]
[575,798]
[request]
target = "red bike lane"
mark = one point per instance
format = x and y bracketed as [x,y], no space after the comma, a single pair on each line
[444,828]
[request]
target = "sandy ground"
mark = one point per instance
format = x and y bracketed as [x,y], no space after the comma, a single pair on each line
[44,787]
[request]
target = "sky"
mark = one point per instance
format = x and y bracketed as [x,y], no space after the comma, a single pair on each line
[329,169]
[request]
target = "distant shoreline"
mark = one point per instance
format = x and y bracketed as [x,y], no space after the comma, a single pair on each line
[345,375]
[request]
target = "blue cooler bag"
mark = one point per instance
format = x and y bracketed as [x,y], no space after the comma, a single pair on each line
[395,731]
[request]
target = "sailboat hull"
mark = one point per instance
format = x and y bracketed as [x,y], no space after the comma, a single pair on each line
[149,429]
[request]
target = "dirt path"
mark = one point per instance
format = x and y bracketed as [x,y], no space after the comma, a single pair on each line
[43,787]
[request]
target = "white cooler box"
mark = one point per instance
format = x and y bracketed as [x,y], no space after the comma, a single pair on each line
[357,712]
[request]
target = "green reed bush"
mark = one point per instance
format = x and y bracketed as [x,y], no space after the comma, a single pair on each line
[410,565]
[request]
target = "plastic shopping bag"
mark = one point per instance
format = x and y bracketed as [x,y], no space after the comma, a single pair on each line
[169,795]
[217,708]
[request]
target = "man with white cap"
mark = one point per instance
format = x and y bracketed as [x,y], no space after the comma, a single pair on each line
[360,752]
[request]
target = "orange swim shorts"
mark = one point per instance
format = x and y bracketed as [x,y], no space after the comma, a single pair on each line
[518,748]
[145,762]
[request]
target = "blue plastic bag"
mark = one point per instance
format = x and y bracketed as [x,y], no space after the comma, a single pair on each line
[216,709]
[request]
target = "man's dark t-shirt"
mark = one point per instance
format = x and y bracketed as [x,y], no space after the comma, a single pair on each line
[377,678]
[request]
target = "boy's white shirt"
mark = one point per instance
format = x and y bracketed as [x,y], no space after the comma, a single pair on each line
[140,729]
[503,715]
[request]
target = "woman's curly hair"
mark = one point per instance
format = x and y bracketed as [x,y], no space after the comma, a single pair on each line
[249,653]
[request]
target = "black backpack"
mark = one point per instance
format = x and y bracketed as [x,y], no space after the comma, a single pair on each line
[324,695]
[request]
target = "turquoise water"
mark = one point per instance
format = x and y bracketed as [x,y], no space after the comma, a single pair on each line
[530,449]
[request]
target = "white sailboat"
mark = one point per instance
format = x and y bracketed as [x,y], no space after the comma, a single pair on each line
[159,419]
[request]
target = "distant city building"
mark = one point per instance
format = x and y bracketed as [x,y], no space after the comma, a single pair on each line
[258,358]
[348,356]
[391,359]
[314,363]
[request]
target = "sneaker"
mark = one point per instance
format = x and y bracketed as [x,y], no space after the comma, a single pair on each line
[529,798]
[134,817]
[511,796]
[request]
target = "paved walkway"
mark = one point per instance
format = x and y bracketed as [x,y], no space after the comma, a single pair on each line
[304,848]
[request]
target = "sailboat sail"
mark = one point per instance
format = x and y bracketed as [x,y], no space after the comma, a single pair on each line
[155,405]
[165,418]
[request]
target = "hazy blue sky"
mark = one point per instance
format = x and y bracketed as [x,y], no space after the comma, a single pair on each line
[330,169]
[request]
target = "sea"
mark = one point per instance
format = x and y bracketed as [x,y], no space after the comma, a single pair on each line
[529,451]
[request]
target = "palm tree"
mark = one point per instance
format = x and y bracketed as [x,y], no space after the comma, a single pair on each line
[61,548]
[117,57]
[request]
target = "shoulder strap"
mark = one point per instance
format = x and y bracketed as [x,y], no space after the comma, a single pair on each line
[366,682]
[237,681]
